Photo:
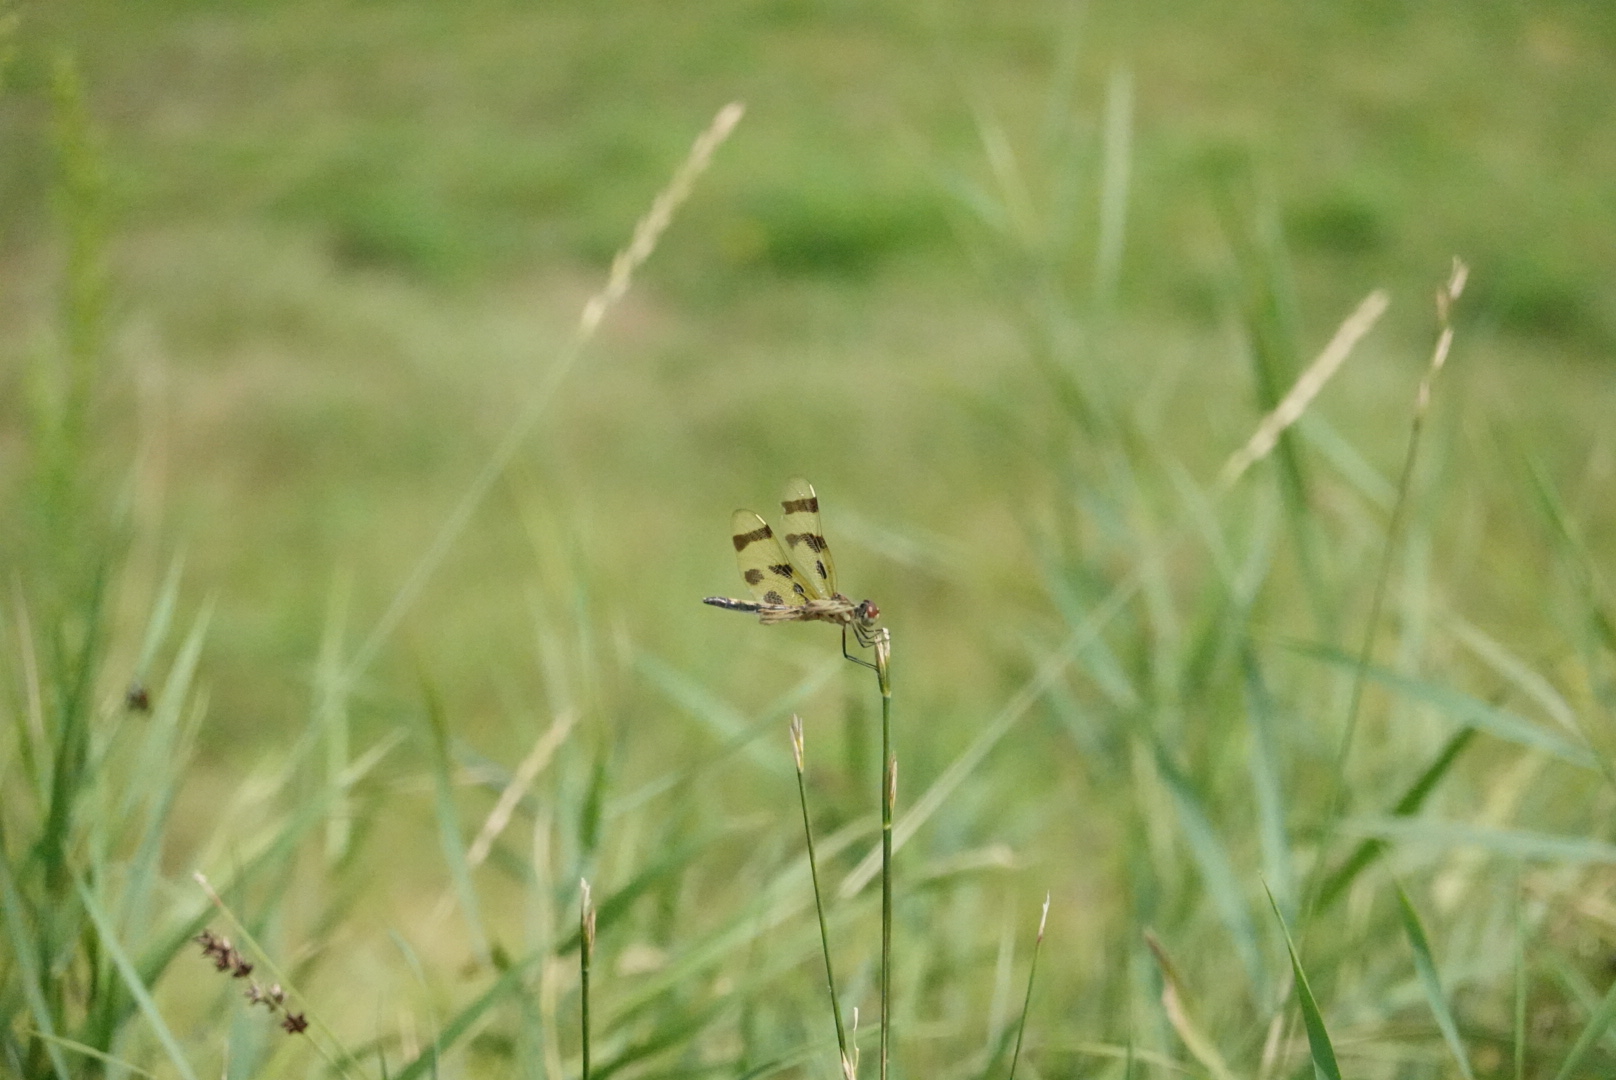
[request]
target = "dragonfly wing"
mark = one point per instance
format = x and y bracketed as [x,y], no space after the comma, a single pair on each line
[805,540]
[764,565]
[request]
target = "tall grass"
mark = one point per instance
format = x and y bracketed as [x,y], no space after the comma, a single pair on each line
[1306,787]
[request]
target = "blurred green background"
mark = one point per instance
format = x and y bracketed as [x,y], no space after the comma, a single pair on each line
[996,277]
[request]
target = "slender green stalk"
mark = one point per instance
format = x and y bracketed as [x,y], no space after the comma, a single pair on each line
[1026,1003]
[889,799]
[586,952]
[819,903]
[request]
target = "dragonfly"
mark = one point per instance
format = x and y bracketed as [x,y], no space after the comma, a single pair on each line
[797,582]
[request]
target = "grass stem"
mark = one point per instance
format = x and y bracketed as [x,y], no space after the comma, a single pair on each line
[848,1071]
[889,799]
[586,952]
[1026,1002]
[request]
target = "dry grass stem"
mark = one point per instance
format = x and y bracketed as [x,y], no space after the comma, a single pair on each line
[1195,1040]
[1306,388]
[641,244]
[528,771]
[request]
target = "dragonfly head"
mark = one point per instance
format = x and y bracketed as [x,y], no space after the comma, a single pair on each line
[866,613]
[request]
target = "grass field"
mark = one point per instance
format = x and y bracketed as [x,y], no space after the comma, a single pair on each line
[1009,283]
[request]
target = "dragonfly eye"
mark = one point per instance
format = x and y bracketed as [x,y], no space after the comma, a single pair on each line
[867,611]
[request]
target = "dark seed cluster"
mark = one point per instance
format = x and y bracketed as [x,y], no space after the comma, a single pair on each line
[226,957]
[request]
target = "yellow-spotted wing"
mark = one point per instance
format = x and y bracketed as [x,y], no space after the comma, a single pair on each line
[764,565]
[805,539]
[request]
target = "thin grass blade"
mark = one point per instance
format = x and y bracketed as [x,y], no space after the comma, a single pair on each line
[451,836]
[1501,723]
[1217,871]
[25,964]
[1318,1037]
[1263,763]
[108,940]
[1425,965]
[1511,843]
[1591,1033]
[1368,851]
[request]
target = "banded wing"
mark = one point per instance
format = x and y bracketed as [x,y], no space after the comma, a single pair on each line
[805,540]
[764,565]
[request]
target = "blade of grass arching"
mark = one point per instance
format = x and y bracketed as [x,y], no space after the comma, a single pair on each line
[1217,873]
[1318,1037]
[1516,671]
[1591,1033]
[1263,763]
[1510,843]
[1335,886]
[119,1067]
[733,728]
[25,969]
[1469,711]
[108,941]
[1348,463]
[1425,965]
[451,837]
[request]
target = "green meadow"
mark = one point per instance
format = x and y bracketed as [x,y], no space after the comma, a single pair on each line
[353,567]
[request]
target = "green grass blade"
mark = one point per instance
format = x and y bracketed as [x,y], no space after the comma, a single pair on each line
[1368,851]
[1265,782]
[451,836]
[1501,723]
[120,1066]
[132,982]
[1318,1037]
[1425,965]
[1026,1001]
[1218,872]
[730,727]
[25,965]
[160,620]
[1591,1033]
[1511,843]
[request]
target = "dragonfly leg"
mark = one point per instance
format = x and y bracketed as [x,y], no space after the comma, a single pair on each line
[857,633]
